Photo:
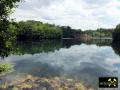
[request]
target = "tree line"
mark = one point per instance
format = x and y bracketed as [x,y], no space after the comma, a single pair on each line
[36,30]
[116,34]
[101,32]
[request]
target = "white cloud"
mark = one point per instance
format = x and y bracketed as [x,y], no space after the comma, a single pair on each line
[84,14]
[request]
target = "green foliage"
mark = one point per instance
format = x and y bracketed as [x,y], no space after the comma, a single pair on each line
[6,7]
[35,30]
[116,40]
[5,67]
[67,32]
[116,34]
[100,32]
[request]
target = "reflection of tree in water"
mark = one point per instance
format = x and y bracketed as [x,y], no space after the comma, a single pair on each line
[51,45]
[116,47]
[21,48]
[66,43]
[36,47]
[99,42]
[4,51]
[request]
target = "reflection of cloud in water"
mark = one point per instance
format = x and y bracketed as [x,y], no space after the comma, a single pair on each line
[72,57]
[88,73]
[86,62]
[37,69]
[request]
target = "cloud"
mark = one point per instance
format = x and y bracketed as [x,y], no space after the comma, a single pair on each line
[84,14]
[97,2]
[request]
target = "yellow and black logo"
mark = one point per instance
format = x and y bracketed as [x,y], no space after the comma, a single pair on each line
[108,82]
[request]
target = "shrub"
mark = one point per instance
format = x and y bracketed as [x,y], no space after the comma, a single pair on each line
[5,68]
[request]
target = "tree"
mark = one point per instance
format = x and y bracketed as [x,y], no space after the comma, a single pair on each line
[116,34]
[35,30]
[67,32]
[6,7]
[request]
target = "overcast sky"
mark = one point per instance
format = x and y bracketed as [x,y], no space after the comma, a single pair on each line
[84,14]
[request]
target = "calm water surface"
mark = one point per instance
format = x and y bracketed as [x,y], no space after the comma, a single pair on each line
[84,61]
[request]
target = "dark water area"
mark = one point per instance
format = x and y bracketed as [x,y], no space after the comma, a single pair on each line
[80,60]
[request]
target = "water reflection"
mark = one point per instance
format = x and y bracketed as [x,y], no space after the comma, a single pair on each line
[37,68]
[21,48]
[89,73]
[4,51]
[99,42]
[85,61]
[116,48]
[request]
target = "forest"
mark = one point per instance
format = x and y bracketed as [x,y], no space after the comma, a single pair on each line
[116,34]
[101,32]
[36,30]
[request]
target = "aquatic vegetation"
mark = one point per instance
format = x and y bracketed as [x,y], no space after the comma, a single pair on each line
[3,86]
[5,68]
[29,82]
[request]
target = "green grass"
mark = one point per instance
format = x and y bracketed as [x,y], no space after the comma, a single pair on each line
[5,68]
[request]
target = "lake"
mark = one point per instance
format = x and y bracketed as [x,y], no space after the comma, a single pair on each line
[80,60]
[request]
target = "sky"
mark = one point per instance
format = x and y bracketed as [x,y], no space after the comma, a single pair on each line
[79,14]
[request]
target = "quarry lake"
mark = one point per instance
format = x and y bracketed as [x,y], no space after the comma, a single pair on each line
[79,60]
